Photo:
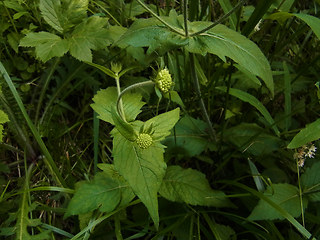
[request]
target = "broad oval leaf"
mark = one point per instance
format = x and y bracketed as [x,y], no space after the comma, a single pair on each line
[310,180]
[143,169]
[306,135]
[225,42]
[190,186]
[285,195]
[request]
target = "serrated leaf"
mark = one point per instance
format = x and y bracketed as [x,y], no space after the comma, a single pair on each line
[225,42]
[52,13]
[106,99]
[47,45]
[104,192]
[63,15]
[285,195]
[310,181]
[190,186]
[246,97]
[189,135]
[143,169]
[126,193]
[163,123]
[310,133]
[91,34]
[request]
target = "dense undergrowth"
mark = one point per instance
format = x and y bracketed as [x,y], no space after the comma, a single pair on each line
[159,119]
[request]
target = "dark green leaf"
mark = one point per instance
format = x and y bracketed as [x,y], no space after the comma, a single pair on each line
[225,42]
[310,181]
[285,195]
[190,186]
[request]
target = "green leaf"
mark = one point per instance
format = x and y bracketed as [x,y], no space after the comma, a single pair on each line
[252,138]
[106,99]
[63,15]
[52,13]
[285,195]
[189,135]
[91,34]
[310,181]
[104,192]
[246,97]
[225,42]
[163,123]
[310,133]
[143,169]
[47,45]
[313,22]
[3,119]
[123,127]
[151,33]
[190,186]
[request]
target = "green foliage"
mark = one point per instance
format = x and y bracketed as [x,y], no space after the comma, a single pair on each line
[106,192]
[3,119]
[284,195]
[310,181]
[310,133]
[190,186]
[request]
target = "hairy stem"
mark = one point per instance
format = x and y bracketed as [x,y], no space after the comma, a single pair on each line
[119,100]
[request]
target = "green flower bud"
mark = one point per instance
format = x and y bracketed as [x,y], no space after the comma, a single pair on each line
[164,81]
[144,140]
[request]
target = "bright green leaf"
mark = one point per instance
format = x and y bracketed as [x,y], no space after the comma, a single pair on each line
[310,181]
[310,133]
[163,123]
[189,135]
[285,195]
[47,45]
[91,34]
[190,186]
[246,97]
[143,169]
[106,99]
[225,42]
[123,127]
[3,119]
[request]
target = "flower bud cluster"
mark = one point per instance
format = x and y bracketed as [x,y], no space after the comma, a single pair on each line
[144,140]
[164,81]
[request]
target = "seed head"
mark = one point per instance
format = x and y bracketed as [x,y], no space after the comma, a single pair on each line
[144,140]
[164,81]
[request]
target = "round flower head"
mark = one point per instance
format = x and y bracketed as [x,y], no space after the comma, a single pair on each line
[164,81]
[144,140]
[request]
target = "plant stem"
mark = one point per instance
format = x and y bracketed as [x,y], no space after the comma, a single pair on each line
[185,17]
[220,20]
[120,108]
[300,195]
[202,105]
[120,94]
[159,18]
